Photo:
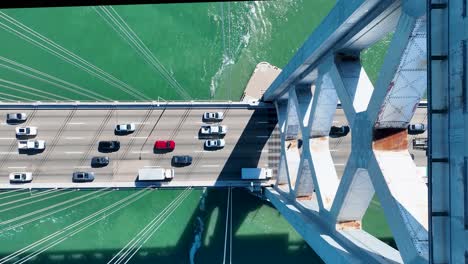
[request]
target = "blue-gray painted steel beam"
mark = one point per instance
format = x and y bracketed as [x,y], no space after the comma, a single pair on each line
[349,27]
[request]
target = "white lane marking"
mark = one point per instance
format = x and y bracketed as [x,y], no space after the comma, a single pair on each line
[73,152]
[3,123]
[210,166]
[262,136]
[76,123]
[7,138]
[138,152]
[73,138]
[152,166]
[195,137]
[6,153]
[17,167]
[143,123]
[200,151]
[139,137]
[339,164]
[82,167]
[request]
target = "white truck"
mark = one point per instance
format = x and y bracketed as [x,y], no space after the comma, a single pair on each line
[155,174]
[256,173]
[31,144]
[213,130]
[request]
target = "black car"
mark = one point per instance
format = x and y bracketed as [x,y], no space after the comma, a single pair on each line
[339,131]
[109,146]
[80,176]
[99,162]
[182,160]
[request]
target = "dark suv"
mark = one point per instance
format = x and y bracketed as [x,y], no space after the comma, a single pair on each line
[339,131]
[99,162]
[109,146]
[80,176]
[181,160]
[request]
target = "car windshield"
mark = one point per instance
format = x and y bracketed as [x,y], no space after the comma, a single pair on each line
[168,144]
[17,176]
[128,127]
[18,116]
[21,130]
[27,130]
[79,175]
[36,144]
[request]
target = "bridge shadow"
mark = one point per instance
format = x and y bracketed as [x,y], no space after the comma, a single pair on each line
[272,247]
[247,151]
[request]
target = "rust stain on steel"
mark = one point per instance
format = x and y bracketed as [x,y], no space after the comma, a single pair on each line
[348,225]
[390,139]
[304,197]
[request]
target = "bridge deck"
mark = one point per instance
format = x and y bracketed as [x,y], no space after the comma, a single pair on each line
[72,137]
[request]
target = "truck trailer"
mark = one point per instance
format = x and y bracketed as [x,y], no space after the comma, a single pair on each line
[155,174]
[256,173]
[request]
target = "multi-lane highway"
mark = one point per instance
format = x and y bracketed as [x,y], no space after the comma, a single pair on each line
[72,138]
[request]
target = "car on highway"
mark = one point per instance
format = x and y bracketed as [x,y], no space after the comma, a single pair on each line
[81,176]
[109,146]
[183,160]
[20,177]
[26,131]
[213,130]
[101,161]
[215,143]
[213,116]
[340,131]
[164,145]
[416,129]
[125,128]
[16,117]
[31,144]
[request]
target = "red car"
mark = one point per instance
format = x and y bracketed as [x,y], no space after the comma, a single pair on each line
[164,145]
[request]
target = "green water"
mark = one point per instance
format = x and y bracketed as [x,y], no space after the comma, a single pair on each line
[208,50]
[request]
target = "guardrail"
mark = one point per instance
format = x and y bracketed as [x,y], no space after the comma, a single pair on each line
[134,105]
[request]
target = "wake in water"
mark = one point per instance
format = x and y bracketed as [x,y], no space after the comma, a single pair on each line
[240,25]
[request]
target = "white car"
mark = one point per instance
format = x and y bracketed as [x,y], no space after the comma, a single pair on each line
[20,176]
[213,116]
[214,143]
[16,117]
[125,128]
[26,131]
[213,130]
[31,144]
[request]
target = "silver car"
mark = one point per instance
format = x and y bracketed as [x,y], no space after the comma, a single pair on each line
[213,116]
[215,143]
[16,117]
[125,128]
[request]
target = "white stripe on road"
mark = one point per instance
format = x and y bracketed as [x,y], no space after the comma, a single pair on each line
[210,166]
[17,167]
[202,151]
[139,137]
[76,123]
[73,138]
[82,167]
[138,152]
[7,138]
[6,153]
[339,164]
[74,152]
[152,166]
[144,123]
